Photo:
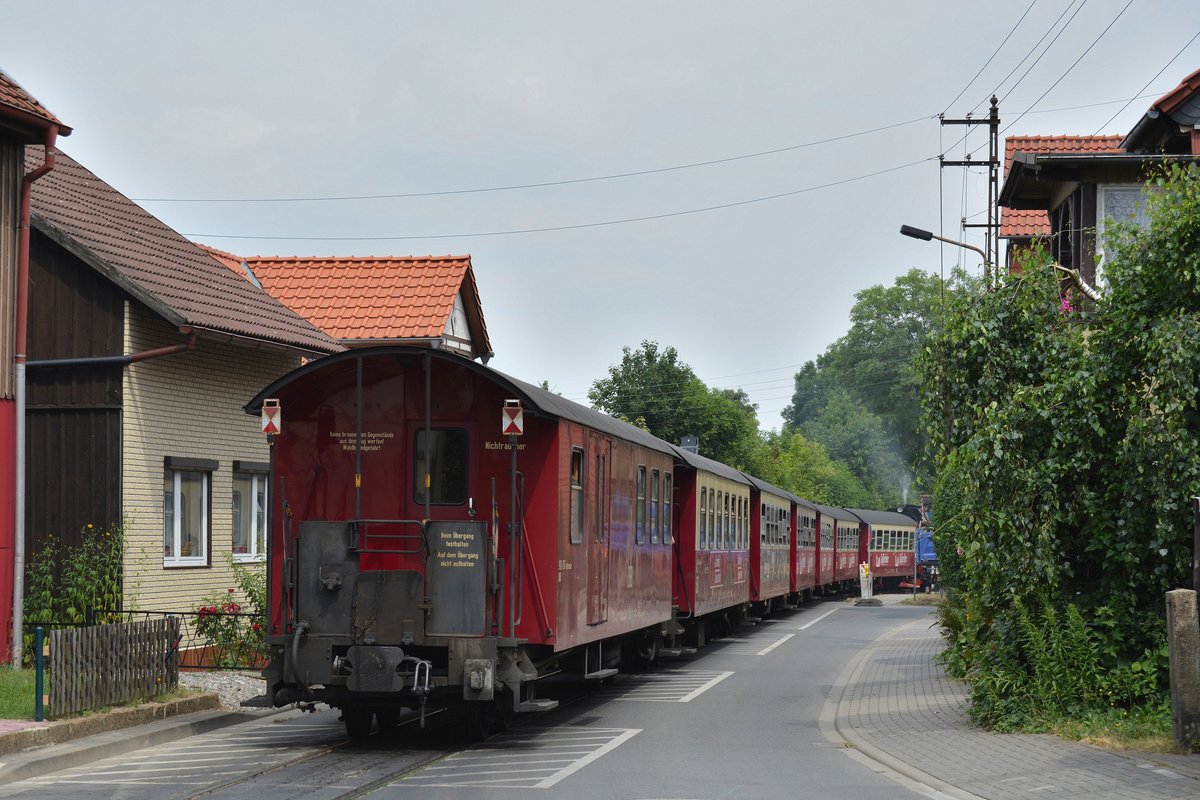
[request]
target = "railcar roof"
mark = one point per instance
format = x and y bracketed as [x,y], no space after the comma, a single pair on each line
[800,501]
[882,517]
[832,511]
[536,399]
[697,461]
[555,405]
[769,488]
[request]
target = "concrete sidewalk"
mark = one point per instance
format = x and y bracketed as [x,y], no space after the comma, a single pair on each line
[894,704]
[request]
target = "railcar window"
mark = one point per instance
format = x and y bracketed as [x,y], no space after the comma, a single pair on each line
[187,499]
[730,523]
[577,496]
[640,530]
[654,518]
[719,538]
[448,450]
[249,516]
[703,519]
[712,511]
[741,523]
[667,508]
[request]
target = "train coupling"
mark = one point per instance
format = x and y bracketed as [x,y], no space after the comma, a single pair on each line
[420,682]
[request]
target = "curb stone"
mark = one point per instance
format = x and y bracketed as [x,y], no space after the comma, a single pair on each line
[35,751]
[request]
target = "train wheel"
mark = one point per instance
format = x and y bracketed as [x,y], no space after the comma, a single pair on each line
[648,651]
[388,719]
[504,713]
[481,718]
[358,723]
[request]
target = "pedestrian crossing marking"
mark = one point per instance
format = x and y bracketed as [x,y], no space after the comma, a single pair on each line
[536,758]
[668,686]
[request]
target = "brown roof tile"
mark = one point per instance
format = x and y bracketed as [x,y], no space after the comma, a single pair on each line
[376,297]
[1020,223]
[170,274]
[18,104]
[1171,100]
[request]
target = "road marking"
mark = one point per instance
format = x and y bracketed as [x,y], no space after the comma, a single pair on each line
[526,759]
[730,646]
[768,649]
[808,625]
[666,686]
[689,698]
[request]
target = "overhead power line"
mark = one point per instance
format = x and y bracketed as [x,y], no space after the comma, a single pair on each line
[1152,80]
[539,185]
[578,226]
[1074,64]
[991,58]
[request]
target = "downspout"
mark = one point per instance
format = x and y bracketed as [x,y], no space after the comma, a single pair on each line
[22,325]
[124,360]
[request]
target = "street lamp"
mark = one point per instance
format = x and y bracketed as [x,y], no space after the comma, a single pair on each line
[925,236]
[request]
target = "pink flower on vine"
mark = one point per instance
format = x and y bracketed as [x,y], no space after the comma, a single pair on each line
[1066,307]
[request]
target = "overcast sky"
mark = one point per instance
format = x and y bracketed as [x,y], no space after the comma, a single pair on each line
[249,100]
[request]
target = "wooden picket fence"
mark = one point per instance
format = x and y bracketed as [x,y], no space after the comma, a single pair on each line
[108,665]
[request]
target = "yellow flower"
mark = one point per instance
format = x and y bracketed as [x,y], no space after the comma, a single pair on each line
[89,526]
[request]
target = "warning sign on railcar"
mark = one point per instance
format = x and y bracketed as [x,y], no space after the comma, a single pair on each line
[457,574]
[512,421]
[272,419]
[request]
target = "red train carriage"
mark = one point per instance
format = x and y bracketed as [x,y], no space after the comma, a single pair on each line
[712,541]
[417,550]
[804,554]
[887,542]
[827,517]
[846,549]
[771,530]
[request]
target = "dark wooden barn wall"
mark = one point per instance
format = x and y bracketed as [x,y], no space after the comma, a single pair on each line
[74,473]
[73,418]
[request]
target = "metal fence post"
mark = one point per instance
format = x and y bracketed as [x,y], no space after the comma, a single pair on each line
[39,680]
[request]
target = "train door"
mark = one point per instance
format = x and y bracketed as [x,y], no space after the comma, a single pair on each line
[598,491]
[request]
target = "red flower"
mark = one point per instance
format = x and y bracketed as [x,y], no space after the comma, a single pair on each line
[256,627]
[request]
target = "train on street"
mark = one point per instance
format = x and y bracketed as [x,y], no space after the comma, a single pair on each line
[443,534]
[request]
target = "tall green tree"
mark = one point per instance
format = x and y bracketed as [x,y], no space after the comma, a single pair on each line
[652,387]
[873,366]
[856,437]
[802,466]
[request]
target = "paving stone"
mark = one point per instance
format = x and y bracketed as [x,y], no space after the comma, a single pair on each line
[901,702]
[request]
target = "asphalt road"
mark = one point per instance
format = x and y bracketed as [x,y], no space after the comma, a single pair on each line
[737,720]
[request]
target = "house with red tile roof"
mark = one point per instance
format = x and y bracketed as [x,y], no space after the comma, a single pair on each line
[143,349]
[429,300]
[23,120]
[1068,188]
[1020,227]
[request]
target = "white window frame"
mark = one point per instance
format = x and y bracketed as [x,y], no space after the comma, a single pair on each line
[258,480]
[175,469]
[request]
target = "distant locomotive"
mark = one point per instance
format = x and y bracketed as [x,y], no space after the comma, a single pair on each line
[441,532]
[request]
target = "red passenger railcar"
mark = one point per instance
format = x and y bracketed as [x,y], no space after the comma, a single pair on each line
[804,554]
[416,548]
[826,536]
[771,536]
[847,539]
[888,542]
[712,540]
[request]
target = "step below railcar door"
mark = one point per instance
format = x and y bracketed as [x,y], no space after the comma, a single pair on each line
[599,531]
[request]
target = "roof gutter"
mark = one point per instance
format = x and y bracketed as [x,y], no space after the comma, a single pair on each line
[22,339]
